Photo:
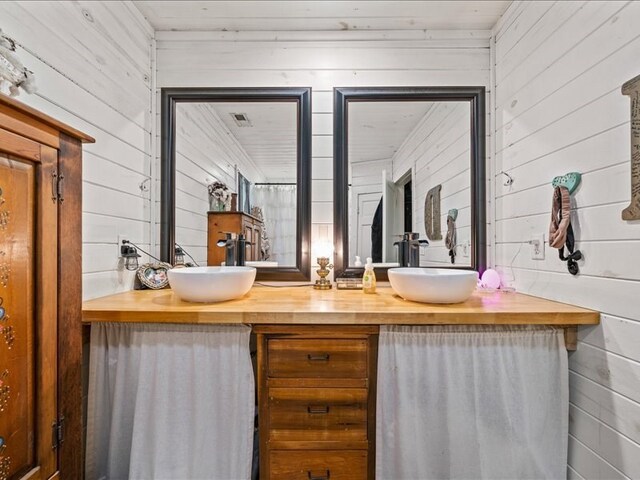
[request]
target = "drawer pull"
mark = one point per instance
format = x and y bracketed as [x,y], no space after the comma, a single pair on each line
[321,477]
[318,409]
[322,357]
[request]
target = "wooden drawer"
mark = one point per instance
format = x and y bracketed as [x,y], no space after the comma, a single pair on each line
[318,465]
[318,414]
[317,358]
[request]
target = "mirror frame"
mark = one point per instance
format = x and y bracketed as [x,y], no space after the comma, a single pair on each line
[341,97]
[170,97]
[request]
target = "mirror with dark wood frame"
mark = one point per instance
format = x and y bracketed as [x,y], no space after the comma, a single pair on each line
[237,160]
[409,160]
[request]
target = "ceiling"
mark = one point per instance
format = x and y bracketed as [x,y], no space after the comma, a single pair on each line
[322,15]
[377,129]
[270,141]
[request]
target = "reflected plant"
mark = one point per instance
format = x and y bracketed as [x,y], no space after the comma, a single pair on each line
[220,192]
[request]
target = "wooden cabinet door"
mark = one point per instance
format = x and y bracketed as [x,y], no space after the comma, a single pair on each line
[28,312]
[256,247]
[247,231]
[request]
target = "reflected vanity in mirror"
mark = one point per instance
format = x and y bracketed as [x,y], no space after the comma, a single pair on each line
[409,178]
[236,177]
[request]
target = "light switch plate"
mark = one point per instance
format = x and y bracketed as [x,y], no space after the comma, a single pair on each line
[537,246]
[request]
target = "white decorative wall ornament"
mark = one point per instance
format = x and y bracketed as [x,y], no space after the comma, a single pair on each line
[13,73]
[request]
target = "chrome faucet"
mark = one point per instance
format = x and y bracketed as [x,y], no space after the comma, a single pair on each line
[409,249]
[235,248]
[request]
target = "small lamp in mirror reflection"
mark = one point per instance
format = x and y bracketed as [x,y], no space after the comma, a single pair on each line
[130,255]
[178,256]
[323,251]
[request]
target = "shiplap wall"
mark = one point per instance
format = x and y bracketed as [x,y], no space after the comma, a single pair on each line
[322,60]
[558,69]
[93,67]
[206,151]
[438,152]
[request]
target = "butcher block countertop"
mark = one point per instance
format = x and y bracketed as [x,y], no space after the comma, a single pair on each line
[304,305]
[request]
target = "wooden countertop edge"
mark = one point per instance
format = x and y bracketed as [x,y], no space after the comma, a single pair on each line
[323,318]
[266,305]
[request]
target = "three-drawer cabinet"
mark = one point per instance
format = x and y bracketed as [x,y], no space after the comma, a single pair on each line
[316,394]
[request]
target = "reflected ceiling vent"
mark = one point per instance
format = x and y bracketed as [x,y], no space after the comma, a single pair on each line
[241,119]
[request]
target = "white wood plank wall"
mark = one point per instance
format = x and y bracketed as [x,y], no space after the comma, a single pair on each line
[206,151]
[366,179]
[558,71]
[438,152]
[322,60]
[92,63]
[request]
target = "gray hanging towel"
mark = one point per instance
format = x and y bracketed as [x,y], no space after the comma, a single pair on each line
[451,238]
[560,230]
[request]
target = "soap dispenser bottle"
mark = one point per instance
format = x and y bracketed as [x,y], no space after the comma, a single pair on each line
[369,277]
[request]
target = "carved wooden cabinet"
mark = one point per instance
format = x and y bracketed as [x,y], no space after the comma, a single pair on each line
[40,295]
[316,395]
[238,223]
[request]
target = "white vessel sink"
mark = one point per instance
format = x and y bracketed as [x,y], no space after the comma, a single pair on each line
[211,284]
[433,285]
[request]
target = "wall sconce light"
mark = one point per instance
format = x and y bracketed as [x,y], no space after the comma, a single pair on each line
[130,255]
[129,251]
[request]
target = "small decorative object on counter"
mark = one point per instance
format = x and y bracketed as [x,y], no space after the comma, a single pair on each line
[154,275]
[369,277]
[347,283]
[490,279]
[219,196]
[325,267]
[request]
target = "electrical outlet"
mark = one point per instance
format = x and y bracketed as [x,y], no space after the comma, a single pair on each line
[122,237]
[537,246]
[466,248]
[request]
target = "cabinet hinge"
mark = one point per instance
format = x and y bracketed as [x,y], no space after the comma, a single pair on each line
[57,433]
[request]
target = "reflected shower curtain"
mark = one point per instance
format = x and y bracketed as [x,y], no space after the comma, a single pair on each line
[170,402]
[464,402]
[278,203]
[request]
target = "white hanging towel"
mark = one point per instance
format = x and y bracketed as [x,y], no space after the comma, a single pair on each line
[469,402]
[170,402]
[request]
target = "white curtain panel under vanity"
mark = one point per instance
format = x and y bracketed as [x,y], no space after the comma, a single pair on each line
[170,402]
[465,402]
[278,203]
